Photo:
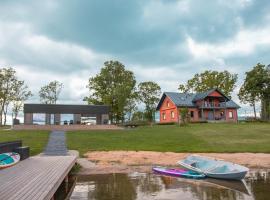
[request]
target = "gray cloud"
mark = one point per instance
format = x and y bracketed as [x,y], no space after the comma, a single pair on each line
[143,31]
[166,41]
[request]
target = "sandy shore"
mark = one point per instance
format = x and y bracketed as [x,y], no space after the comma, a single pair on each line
[142,161]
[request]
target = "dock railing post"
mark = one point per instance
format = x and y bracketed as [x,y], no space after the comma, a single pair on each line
[66,184]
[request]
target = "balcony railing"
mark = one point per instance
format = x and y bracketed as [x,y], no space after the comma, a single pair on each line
[212,105]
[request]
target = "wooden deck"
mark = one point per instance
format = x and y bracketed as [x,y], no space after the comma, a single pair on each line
[37,177]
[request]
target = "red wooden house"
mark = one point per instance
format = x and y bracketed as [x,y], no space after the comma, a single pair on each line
[211,105]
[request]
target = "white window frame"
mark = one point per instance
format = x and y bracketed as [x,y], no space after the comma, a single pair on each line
[230,114]
[164,116]
[172,114]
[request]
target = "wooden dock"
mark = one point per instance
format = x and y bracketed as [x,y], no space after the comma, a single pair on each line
[37,177]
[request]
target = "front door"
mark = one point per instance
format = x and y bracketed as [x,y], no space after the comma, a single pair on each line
[210,115]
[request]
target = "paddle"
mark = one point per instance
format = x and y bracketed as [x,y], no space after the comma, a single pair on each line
[7,157]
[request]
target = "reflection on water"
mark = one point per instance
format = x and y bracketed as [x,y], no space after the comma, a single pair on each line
[151,186]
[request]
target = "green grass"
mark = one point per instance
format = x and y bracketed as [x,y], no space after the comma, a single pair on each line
[248,137]
[36,140]
[4,127]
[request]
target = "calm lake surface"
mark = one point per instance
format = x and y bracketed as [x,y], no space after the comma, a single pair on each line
[145,186]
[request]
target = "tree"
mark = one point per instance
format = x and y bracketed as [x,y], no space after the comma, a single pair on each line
[131,105]
[149,93]
[13,91]
[8,79]
[265,102]
[225,81]
[256,87]
[49,94]
[21,95]
[138,116]
[246,95]
[248,92]
[113,86]
[184,116]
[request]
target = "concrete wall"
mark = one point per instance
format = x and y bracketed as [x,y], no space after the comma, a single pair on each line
[98,119]
[47,119]
[77,118]
[105,118]
[28,118]
[57,118]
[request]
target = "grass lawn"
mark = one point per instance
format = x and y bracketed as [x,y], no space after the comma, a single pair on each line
[36,140]
[5,127]
[248,137]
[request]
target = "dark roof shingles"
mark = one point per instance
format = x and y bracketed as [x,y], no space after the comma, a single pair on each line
[188,99]
[181,99]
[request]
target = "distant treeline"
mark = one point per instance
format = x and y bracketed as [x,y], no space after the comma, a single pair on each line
[116,86]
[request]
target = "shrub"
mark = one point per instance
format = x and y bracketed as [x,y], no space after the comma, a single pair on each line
[167,123]
[135,123]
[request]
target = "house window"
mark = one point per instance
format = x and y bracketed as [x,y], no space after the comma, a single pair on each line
[172,115]
[164,116]
[211,103]
[200,114]
[230,114]
[168,104]
[221,114]
[191,114]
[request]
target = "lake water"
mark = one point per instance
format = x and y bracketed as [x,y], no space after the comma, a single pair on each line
[147,186]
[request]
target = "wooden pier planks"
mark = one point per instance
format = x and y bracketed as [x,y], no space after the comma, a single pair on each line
[35,178]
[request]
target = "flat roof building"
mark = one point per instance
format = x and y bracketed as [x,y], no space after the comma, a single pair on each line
[57,114]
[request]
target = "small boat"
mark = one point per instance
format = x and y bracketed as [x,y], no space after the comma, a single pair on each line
[214,168]
[178,172]
[9,159]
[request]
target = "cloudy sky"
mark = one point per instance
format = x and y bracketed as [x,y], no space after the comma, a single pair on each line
[166,41]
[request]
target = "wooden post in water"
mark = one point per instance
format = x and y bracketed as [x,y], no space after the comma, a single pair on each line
[66,184]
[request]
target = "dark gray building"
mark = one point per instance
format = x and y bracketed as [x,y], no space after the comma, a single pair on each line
[78,114]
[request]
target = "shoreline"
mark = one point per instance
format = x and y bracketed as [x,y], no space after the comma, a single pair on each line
[104,162]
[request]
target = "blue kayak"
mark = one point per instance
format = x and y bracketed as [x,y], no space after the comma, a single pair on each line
[178,172]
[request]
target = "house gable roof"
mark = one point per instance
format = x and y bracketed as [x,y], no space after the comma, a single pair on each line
[179,99]
[189,99]
[202,95]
